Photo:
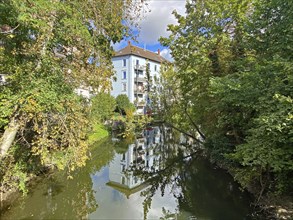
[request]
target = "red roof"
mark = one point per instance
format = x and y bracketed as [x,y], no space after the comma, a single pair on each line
[137,51]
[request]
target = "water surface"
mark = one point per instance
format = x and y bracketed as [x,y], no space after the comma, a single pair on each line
[158,175]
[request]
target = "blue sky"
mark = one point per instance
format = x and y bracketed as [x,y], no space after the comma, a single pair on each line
[154,24]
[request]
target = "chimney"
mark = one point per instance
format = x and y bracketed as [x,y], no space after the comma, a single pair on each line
[129,42]
[159,52]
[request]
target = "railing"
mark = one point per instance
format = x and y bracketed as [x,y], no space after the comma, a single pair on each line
[139,89]
[140,79]
[141,103]
[139,67]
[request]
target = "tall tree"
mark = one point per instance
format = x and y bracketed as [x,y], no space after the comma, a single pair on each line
[204,46]
[233,65]
[48,49]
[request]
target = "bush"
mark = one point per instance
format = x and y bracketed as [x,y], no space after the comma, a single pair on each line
[102,108]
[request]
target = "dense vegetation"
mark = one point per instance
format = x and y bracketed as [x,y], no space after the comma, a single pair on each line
[231,87]
[47,50]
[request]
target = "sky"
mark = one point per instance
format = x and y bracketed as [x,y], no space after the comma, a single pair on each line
[154,25]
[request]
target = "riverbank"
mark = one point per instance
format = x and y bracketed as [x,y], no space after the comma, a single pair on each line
[99,132]
[273,207]
[277,207]
[8,196]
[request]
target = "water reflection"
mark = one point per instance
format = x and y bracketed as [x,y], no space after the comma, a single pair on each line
[161,162]
[157,175]
[139,155]
[57,197]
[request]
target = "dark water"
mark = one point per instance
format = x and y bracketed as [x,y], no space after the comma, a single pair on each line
[158,175]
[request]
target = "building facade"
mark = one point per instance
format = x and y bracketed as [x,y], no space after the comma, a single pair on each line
[137,74]
[142,154]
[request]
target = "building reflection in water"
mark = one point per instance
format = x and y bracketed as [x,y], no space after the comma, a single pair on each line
[142,154]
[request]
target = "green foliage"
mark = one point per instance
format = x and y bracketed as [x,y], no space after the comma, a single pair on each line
[16,177]
[14,168]
[127,122]
[6,109]
[102,107]
[233,82]
[44,54]
[124,105]
[97,133]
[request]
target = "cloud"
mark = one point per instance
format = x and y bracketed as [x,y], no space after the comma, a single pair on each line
[119,45]
[166,54]
[155,23]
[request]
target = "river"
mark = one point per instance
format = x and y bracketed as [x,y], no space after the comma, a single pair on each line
[157,175]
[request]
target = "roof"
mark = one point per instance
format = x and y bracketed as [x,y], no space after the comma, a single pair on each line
[137,51]
[125,189]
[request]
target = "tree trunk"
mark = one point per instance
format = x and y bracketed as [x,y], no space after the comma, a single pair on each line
[195,125]
[8,137]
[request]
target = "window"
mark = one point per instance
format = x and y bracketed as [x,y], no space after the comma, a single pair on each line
[123,87]
[149,66]
[155,67]
[123,74]
[137,62]
[124,62]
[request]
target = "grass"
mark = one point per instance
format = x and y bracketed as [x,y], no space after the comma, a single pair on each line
[98,133]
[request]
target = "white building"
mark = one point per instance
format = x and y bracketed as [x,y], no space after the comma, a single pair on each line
[130,64]
[140,155]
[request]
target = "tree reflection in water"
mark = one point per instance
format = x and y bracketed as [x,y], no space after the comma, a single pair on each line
[178,168]
[158,161]
[55,198]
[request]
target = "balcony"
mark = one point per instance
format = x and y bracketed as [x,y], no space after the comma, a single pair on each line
[139,78]
[139,89]
[139,67]
[139,103]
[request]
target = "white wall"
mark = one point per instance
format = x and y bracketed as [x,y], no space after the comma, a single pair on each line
[117,87]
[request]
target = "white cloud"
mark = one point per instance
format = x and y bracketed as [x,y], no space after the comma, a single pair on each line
[155,23]
[119,45]
[166,54]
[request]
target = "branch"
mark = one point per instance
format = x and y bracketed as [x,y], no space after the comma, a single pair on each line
[6,29]
[8,137]
[193,123]
[184,132]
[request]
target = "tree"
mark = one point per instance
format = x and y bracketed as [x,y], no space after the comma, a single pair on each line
[268,144]
[46,50]
[102,107]
[203,48]
[233,64]
[123,104]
